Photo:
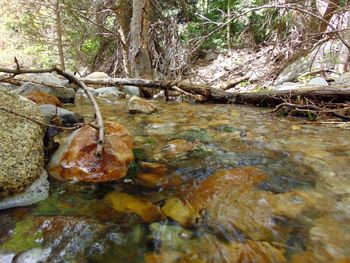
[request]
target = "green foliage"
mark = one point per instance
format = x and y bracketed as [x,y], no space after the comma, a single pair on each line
[91,46]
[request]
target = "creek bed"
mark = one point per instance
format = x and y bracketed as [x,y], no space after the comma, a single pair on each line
[300,212]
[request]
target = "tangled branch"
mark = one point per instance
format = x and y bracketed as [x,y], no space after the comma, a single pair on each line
[79,83]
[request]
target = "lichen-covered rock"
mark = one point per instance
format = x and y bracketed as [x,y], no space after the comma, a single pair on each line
[138,105]
[21,144]
[76,159]
[37,191]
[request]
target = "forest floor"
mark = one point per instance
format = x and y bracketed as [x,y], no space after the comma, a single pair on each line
[250,67]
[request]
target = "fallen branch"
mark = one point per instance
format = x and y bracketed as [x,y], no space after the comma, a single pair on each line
[74,127]
[235,82]
[340,93]
[78,82]
[196,97]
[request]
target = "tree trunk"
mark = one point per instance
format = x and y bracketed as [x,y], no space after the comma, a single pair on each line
[140,61]
[59,34]
[344,51]
[228,25]
[328,14]
[124,12]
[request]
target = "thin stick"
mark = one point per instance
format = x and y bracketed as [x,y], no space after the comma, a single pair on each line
[76,126]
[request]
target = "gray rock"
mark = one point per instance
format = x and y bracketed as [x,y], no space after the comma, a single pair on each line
[320,59]
[47,78]
[82,92]
[21,144]
[8,86]
[132,90]
[343,79]
[138,105]
[318,81]
[66,95]
[289,86]
[108,91]
[68,118]
[97,75]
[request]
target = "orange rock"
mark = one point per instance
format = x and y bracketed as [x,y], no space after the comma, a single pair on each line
[41,98]
[152,175]
[223,181]
[125,203]
[152,180]
[76,160]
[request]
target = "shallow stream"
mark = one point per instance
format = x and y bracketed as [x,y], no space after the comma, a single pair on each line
[300,212]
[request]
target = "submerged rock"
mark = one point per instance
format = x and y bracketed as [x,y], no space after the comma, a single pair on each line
[178,148]
[177,210]
[206,248]
[229,204]
[56,239]
[138,105]
[125,203]
[76,160]
[21,144]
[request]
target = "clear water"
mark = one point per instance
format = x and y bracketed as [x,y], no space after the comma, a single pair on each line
[77,224]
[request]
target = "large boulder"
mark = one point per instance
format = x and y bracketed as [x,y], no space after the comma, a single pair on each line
[343,79]
[324,58]
[21,144]
[97,76]
[138,105]
[47,78]
[76,159]
[7,86]
[66,95]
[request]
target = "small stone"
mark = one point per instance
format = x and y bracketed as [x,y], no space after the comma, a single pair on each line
[132,90]
[318,81]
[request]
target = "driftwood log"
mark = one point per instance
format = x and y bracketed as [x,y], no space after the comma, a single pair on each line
[335,93]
